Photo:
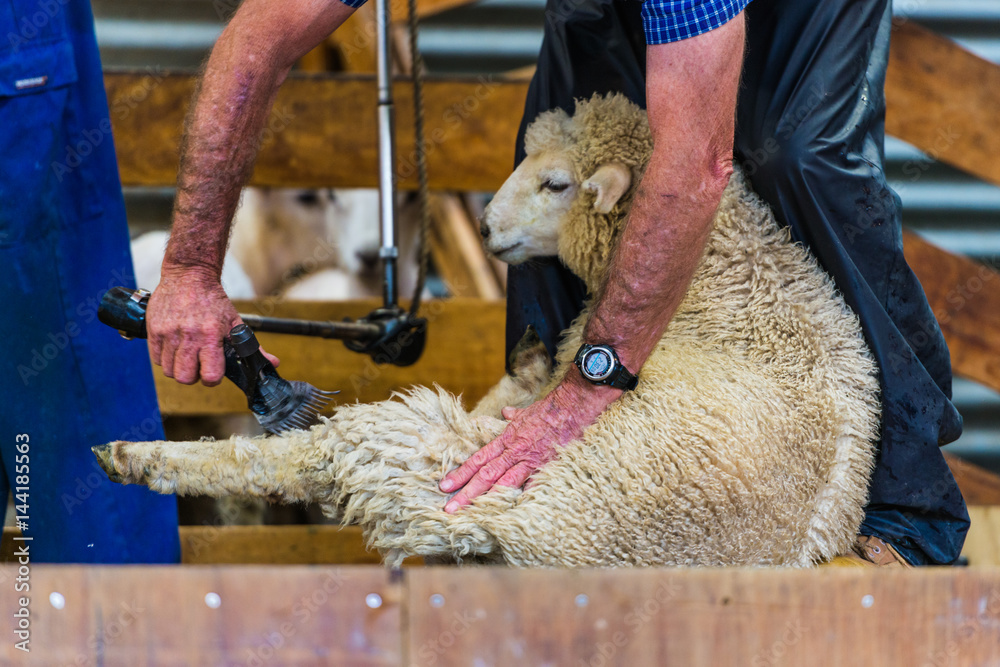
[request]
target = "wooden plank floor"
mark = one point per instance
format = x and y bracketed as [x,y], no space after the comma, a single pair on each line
[364,615]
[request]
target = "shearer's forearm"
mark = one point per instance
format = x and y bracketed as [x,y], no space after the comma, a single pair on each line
[691,92]
[248,63]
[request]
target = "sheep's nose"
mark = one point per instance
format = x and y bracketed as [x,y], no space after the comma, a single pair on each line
[484,231]
[369,258]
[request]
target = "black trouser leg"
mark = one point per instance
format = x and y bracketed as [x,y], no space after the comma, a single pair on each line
[810,134]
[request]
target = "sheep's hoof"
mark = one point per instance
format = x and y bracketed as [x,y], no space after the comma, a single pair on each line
[106,461]
[527,350]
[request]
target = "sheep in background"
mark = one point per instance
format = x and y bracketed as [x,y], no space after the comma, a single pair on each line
[147,258]
[749,439]
[303,244]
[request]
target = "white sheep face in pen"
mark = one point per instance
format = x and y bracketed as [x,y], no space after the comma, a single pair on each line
[749,439]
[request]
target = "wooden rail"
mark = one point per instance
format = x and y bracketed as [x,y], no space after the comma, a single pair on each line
[322,130]
[965,298]
[464,354]
[943,100]
[298,616]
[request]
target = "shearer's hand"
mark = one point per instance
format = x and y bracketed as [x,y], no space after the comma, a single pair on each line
[530,440]
[188,316]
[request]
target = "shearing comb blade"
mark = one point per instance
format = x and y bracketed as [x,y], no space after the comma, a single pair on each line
[299,408]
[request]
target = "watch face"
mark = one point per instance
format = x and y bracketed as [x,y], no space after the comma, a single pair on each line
[598,364]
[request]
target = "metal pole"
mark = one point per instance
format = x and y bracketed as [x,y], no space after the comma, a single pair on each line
[386,154]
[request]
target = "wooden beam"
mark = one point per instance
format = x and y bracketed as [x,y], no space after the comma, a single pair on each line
[458,251]
[300,616]
[258,545]
[464,354]
[493,616]
[979,486]
[274,545]
[322,131]
[944,100]
[295,616]
[982,544]
[965,298]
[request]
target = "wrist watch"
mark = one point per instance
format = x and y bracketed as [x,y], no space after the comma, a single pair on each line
[599,364]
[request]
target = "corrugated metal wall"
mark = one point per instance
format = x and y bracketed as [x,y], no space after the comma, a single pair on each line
[951,209]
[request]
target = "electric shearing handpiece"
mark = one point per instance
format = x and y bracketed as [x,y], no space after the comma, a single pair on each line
[278,404]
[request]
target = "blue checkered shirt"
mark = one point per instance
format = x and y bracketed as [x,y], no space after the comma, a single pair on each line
[673,20]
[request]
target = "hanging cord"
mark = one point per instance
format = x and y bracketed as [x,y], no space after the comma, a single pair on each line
[423,192]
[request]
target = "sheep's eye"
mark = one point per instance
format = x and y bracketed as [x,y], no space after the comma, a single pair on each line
[552,186]
[308,198]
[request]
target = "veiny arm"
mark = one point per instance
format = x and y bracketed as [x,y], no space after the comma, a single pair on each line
[189,314]
[691,90]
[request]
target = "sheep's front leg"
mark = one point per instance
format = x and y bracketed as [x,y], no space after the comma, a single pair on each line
[530,370]
[279,468]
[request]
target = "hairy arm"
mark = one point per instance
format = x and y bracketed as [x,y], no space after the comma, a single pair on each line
[691,89]
[189,314]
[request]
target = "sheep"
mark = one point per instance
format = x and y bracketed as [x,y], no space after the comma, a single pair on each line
[281,237]
[303,244]
[748,441]
[147,258]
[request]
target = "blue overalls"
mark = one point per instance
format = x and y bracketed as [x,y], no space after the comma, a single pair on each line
[67,382]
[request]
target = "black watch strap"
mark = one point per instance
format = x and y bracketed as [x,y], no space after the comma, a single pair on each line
[599,364]
[622,379]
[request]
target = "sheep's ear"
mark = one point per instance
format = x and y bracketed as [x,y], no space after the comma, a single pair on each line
[610,182]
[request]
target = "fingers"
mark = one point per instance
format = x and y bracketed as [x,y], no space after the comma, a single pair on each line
[213,365]
[270,357]
[465,472]
[516,476]
[169,349]
[185,365]
[477,486]
[510,413]
[186,319]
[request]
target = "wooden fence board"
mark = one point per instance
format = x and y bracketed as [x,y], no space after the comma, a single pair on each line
[943,100]
[274,545]
[939,97]
[322,130]
[258,545]
[136,616]
[965,298]
[978,485]
[496,616]
[834,616]
[982,544]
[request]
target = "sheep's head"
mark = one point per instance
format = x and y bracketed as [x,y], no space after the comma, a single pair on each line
[570,195]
